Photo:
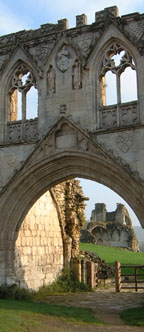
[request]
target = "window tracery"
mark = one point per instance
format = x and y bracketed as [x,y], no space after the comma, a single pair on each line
[118,84]
[116,60]
[22,81]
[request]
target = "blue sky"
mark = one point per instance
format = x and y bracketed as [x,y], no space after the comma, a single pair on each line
[30,14]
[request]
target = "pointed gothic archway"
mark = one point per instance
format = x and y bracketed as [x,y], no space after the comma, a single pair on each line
[66,152]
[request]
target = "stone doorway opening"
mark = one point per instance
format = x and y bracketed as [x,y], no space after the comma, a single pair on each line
[49,234]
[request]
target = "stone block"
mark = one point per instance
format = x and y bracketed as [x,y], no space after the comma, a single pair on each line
[109,12]
[23,240]
[35,251]
[29,251]
[63,24]
[81,20]
[34,233]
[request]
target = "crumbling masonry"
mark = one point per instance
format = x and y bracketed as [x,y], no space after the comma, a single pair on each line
[49,236]
[110,228]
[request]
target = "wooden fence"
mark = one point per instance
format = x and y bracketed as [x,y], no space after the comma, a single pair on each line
[86,272]
[128,280]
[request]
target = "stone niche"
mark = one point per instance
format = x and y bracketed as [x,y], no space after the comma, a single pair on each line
[110,228]
[49,236]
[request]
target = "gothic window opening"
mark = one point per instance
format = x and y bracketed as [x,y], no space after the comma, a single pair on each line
[128,85]
[19,105]
[23,94]
[118,76]
[32,103]
[110,89]
[117,58]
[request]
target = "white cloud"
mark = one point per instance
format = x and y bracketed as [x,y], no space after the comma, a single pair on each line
[10,21]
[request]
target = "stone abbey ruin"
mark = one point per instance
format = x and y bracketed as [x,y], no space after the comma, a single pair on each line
[73,130]
[49,235]
[110,228]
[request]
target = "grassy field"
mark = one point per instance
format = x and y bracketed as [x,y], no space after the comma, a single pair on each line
[23,316]
[134,316]
[111,254]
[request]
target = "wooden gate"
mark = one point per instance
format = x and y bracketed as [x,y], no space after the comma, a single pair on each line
[129,280]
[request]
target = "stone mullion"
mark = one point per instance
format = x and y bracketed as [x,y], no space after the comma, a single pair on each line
[23,113]
[118,97]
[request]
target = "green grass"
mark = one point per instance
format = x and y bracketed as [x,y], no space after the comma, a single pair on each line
[112,254]
[23,316]
[134,316]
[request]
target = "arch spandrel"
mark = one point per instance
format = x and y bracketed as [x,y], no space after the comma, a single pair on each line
[53,148]
[52,163]
[110,34]
[17,54]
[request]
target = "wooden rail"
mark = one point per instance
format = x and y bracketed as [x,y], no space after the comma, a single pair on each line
[122,278]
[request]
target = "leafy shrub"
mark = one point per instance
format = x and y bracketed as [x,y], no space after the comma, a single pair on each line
[14,292]
[66,283]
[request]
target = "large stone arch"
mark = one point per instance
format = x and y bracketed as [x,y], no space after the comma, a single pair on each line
[74,145]
[45,168]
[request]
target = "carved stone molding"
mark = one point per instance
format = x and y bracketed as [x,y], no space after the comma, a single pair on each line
[134,29]
[17,82]
[108,118]
[18,131]
[3,59]
[63,110]
[76,75]
[129,115]
[43,51]
[84,42]
[124,141]
[51,80]
[14,132]
[62,58]
[30,130]
[65,136]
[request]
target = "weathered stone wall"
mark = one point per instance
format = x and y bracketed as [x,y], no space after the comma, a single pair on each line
[114,229]
[48,237]
[74,132]
[39,246]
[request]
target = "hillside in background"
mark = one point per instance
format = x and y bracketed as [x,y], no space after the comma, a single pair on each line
[140,236]
[139,233]
[112,254]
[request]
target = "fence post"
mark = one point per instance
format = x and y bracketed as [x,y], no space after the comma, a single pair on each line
[90,274]
[136,286]
[83,271]
[96,274]
[76,266]
[118,276]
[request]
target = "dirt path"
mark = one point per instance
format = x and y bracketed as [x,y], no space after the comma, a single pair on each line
[106,305]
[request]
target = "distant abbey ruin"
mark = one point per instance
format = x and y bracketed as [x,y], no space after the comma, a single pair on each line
[110,228]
